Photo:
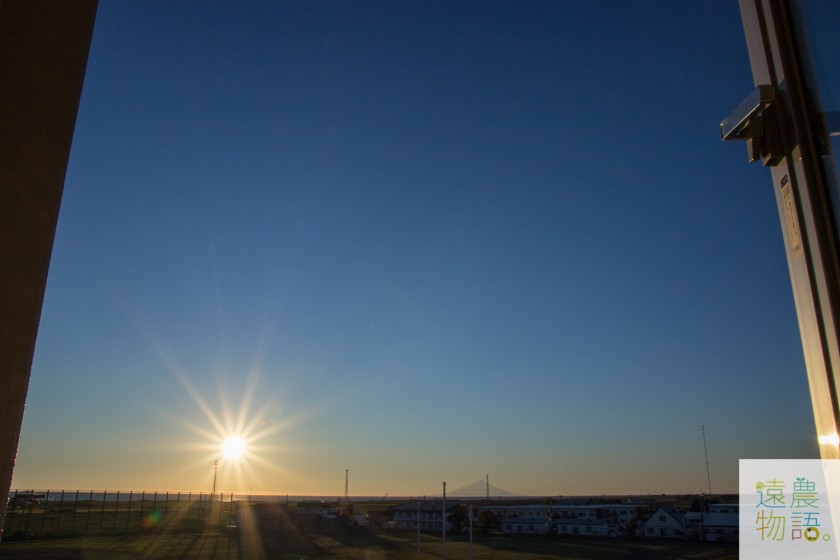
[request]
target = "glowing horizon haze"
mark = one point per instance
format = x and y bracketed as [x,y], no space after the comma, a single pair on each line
[422,241]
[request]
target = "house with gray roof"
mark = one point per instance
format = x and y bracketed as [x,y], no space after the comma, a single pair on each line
[665,523]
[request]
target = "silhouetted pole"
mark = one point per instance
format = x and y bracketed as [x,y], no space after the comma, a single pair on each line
[444,521]
[706,452]
[471,540]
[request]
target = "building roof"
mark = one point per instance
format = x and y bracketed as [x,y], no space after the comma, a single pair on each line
[712,519]
[670,511]
[581,521]
[721,520]
[425,506]
[527,520]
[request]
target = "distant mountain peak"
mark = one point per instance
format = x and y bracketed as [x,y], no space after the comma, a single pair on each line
[479,490]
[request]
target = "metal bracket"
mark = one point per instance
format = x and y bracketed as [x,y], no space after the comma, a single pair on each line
[756,120]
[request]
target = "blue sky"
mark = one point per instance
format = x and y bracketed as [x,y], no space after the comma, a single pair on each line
[422,241]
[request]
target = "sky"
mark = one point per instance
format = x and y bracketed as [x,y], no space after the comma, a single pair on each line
[419,241]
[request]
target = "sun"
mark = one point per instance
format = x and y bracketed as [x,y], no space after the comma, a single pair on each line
[236,439]
[233,448]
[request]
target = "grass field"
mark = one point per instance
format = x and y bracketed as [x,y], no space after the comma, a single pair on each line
[188,547]
[267,531]
[396,545]
[355,546]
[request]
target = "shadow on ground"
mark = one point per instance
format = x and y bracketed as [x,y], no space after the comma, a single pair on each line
[207,546]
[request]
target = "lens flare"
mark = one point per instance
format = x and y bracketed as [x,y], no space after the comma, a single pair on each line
[831,439]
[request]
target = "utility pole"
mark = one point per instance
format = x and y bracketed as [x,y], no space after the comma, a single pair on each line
[471,537]
[213,493]
[443,519]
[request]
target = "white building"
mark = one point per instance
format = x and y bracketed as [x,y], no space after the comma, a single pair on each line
[532,511]
[426,514]
[584,527]
[527,525]
[719,525]
[621,514]
[319,508]
[665,523]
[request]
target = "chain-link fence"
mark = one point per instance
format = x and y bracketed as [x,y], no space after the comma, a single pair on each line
[55,514]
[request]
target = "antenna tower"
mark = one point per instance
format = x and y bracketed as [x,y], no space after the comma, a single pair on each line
[347,485]
[706,452]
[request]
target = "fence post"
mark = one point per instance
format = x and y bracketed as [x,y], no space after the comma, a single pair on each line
[10,514]
[73,519]
[142,503]
[44,515]
[221,507]
[102,512]
[116,508]
[128,517]
[29,515]
[89,512]
[58,517]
